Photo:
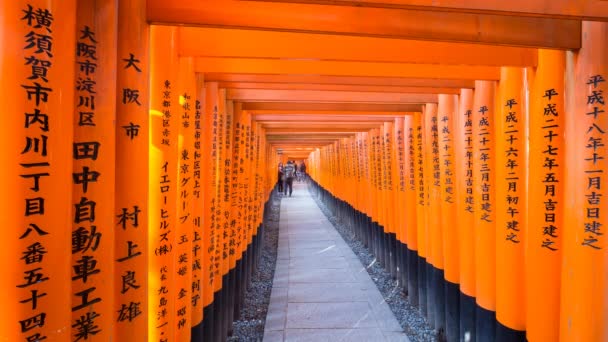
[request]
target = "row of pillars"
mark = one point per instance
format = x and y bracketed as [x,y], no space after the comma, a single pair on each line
[494,198]
[133,193]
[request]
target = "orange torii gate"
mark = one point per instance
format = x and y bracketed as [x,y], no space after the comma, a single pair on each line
[467,153]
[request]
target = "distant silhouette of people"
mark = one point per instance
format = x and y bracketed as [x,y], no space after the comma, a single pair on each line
[280,178]
[289,171]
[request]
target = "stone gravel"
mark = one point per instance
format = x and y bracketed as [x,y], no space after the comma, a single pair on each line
[253,313]
[410,318]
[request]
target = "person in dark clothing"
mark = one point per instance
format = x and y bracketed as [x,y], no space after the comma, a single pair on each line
[303,169]
[290,171]
[280,178]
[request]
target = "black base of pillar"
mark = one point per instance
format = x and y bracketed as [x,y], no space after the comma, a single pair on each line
[208,322]
[422,286]
[506,334]
[430,294]
[485,324]
[240,292]
[467,318]
[412,277]
[439,287]
[197,333]
[452,311]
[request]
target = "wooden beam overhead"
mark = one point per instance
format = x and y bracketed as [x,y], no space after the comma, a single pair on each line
[593,10]
[346,107]
[337,68]
[217,42]
[325,118]
[306,130]
[339,87]
[264,95]
[414,24]
[343,80]
[336,113]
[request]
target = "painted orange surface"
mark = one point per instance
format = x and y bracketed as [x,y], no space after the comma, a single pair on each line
[93,178]
[343,68]
[543,262]
[131,184]
[511,201]
[162,200]
[463,149]
[596,9]
[372,21]
[584,299]
[25,207]
[447,110]
[219,42]
[484,193]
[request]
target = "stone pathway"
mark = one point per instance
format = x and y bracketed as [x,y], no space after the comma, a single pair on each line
[321,291]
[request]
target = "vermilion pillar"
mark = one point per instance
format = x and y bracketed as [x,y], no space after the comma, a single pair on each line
[183,256]
[131,183]
[421,203]
[546,194]
[162,201]
[584,299]
[198,237]
[410,209]
[446,114]
[93,173]
[209,172]
[465,204]
[484,195]
[37,99]
[511,208]
[433,229]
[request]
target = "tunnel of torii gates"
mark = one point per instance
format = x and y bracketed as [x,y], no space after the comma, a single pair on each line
[464,141]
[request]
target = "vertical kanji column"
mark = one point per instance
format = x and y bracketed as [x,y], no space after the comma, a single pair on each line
[162,202]
[93,173]
[484,194]
[131,183]
[511,208]
[183,258]
[446,114]
[37,102]
[198,236]
[546,195]
[463,154]
[584,299]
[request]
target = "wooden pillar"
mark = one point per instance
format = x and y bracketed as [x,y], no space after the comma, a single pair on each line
[131,184]
[584,299]
[37,99]
[421,203]
[545,196]
[511,206]
[434,235]
[183,257]
[446,113]
[198,193]
[484,194]
[463,153]
[399,181]
[209,172]
[163,167]
[411,206]
[93,173]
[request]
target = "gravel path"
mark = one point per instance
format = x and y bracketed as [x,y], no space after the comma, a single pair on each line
[253,314]
[412,321]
